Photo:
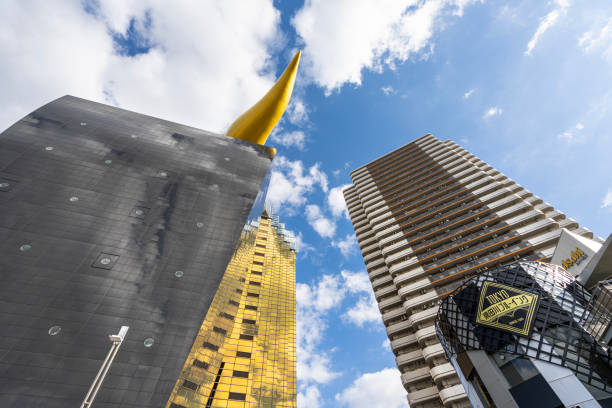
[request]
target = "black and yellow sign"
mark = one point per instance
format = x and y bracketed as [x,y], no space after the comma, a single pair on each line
[506,308]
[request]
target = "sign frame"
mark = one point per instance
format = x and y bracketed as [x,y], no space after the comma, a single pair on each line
[510,300]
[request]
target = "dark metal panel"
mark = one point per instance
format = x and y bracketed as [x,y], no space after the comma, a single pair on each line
[99,207]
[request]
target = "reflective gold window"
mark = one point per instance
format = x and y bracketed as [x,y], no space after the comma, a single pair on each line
[245,352]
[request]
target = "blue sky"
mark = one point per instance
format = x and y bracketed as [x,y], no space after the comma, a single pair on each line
[524,85]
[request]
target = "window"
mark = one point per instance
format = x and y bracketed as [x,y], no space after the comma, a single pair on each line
[241,374]
[260,253]
[260,245]
[227,316]
[210,346]
[257,263]
[243,354]
[233,302]
[190,385]
[200,364]
[248,321]
[219,330]
[238,290]
[254,283]
[246,337]
[237,396]
[251,294]
[250,307]
[256,273]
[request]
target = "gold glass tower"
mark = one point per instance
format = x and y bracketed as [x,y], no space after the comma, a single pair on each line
[245,352]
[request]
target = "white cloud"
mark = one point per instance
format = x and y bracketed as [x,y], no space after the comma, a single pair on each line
[366,308]
[548,21]
[182,77]
[598,40]
[326,294]
[324,226]
[297,112]
[291,182]
[387,90]
[607,201]
[347,246]
[342,38]
[381,389]
[288,139]
[386,344]
[303,246]
[364,311]
[335,200]
[468,94]
[492,111]
[572,135]
[356,282]
[314,301]
[309,397]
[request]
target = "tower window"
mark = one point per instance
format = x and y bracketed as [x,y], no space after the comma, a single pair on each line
[241,374]
[190,385]
[237,396]
[200,364]
[210,346]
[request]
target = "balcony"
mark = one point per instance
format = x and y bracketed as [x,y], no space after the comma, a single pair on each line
[405,265]
[393,314]
[425,333]
[383,280]
[385,241]
[442,371]
[405,341]
[406,253]
[401,242]
[407,358]
[385,291]
[376,272]
[372,256]
[433,351]
[398,328]
[414,287]
[414,376]
[424,395]
[374,263]
[393,301]
[424,316]
[369,248]
[420,300]
[452,394]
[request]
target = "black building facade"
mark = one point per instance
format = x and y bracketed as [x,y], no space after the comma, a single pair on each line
[111,218]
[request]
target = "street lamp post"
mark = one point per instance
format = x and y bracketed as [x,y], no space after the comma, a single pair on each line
[116,339]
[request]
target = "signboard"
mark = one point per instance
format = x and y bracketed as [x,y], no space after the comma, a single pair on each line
[576,257]
[506,308]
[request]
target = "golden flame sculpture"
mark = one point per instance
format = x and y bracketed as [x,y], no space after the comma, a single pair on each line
[257,122]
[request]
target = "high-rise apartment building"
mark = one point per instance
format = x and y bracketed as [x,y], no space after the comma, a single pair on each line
[245,353]
[427,216]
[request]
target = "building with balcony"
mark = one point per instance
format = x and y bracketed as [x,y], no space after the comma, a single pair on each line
[427,216]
